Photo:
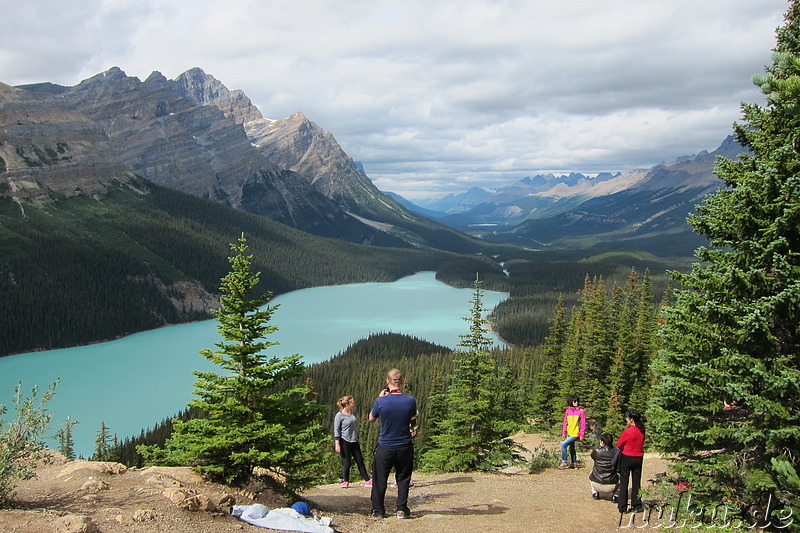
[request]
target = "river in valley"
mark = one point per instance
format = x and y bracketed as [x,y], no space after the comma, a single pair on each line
[134,382]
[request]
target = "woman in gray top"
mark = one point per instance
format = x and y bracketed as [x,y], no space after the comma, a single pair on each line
[345,435]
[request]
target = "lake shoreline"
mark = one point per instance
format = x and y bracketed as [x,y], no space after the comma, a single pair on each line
[211,316]
[135,381]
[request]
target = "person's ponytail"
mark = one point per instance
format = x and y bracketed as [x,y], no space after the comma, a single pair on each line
[634,415]
[343,401]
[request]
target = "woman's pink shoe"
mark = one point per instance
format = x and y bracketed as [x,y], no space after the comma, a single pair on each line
[345,484]
[368,483]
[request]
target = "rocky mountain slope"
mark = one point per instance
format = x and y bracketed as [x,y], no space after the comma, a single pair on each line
[194,135]
[50,147]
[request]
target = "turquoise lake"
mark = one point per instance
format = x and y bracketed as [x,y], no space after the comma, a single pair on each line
[136,381]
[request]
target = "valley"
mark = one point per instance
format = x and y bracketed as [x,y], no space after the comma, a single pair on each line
[121,196]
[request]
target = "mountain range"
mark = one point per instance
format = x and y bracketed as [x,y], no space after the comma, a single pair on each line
[193,135]
[644,209]
[454,203]
[119,199]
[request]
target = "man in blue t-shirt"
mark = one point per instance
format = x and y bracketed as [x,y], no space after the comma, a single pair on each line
[397,413]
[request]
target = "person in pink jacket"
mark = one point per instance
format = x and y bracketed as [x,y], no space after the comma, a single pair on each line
[573,429]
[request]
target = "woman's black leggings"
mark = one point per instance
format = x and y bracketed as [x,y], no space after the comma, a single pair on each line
[352,450]
[629,468]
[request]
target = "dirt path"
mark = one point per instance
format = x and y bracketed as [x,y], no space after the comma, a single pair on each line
[553,501]
[84,497]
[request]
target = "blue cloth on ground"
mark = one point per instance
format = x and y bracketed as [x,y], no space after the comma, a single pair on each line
[284,519]
[302,508]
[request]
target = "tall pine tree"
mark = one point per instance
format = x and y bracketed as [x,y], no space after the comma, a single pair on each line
[66,443]
[254,420]
[732,333]
[474,433]
[102,444]
[546,388]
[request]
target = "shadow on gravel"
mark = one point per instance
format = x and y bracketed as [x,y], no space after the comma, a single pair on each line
[470,510]
[458,479]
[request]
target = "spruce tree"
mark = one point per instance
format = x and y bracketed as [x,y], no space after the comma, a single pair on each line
[513,392]
[732,333]
[66,443]
[473,434]
[546,389]
[578,361]
[617,378]
[596,351]
[646,345]
[259,414]
[102,444]
[568,377]
[437,403]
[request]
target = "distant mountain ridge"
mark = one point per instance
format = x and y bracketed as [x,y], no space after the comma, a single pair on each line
[457,203]
[411,206]
[194,135]
[644,209]
[576,211]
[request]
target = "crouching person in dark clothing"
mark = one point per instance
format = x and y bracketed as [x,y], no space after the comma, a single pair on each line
[604,480]
[397,412]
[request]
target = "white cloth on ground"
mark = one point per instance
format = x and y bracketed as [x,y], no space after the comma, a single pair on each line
[284,519]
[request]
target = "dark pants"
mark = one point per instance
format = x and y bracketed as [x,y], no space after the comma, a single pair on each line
[629,467]
[352,450]
[402,459]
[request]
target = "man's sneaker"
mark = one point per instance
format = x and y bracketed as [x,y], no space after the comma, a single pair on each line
[595,496]
[402,515]
[563,466]
[368,483]
[345,484]
[377,514]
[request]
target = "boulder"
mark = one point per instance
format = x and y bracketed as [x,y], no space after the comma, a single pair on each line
[95,485]
[178,495]
[101,467]
[73,523]
[144,515]
[200,502]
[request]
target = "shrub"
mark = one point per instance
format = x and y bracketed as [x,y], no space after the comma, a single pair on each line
[542,458]
[21,446]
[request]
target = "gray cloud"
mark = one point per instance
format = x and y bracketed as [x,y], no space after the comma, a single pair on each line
[435,97]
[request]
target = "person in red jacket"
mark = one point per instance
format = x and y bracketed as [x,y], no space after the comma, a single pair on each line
[631,441]
[573,429]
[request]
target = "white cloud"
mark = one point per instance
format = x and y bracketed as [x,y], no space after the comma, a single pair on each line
[437,96]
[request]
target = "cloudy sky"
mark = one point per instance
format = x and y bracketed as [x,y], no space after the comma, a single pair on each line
[436,96]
